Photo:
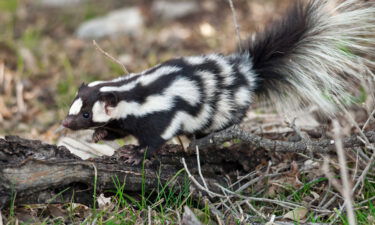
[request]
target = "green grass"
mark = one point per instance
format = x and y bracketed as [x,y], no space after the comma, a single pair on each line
[9,6]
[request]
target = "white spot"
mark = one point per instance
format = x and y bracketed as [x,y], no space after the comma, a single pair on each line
[99,114]
[242,96]
[76,107]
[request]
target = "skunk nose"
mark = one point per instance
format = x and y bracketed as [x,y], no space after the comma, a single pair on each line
[67,122]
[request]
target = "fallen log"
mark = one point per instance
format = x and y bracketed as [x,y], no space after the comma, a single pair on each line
[35,172]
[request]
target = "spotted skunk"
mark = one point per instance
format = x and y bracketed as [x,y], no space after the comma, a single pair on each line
[297,61]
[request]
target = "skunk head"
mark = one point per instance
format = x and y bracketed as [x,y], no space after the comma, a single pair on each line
[90,108]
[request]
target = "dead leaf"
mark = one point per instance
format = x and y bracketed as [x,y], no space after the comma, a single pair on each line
[296,214]
[315,195]
[103,202]
[56,211]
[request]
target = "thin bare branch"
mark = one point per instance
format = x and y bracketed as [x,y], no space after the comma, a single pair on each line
[109,56]
[346,191]
[237,27]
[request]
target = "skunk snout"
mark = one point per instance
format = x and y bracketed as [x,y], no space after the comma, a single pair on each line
[68,122]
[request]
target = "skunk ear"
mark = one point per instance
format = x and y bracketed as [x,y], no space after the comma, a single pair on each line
[82,86]
[110,98]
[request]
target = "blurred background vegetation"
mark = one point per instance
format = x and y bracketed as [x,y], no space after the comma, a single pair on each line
[47,51]
[46,48]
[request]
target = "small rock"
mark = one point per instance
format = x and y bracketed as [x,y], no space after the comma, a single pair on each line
[173,35]
[123,21]
[170,10]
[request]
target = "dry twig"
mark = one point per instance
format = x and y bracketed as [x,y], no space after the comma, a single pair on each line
[237,27]
[346,191]
[109,56]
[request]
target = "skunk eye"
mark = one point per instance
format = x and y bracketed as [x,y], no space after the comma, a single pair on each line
[86,115]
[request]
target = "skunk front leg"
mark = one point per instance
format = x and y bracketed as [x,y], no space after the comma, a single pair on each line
[103,133]
[146,149]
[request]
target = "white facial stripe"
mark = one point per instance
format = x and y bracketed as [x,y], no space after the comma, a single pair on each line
[76,107]
[99,114]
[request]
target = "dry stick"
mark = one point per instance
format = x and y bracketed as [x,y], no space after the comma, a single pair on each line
[352,120]
[199,168]
[369,164]
[277,202]
[249,175]
[329,175]
[302,136]
[346,191]
[149,215]
[21,106]
[255,210]
[233,194]
[256,180]
[356,164]
[2,75]
[237,27]
[322,146]
[368,120]
[109,56]
[323,203]
[367,200]
[242,218]
[192,178]
[364,173]
[218,220]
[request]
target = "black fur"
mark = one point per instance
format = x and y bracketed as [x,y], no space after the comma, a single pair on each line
[272,47]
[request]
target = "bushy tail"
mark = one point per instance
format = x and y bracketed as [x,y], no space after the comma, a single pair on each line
[311,54]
